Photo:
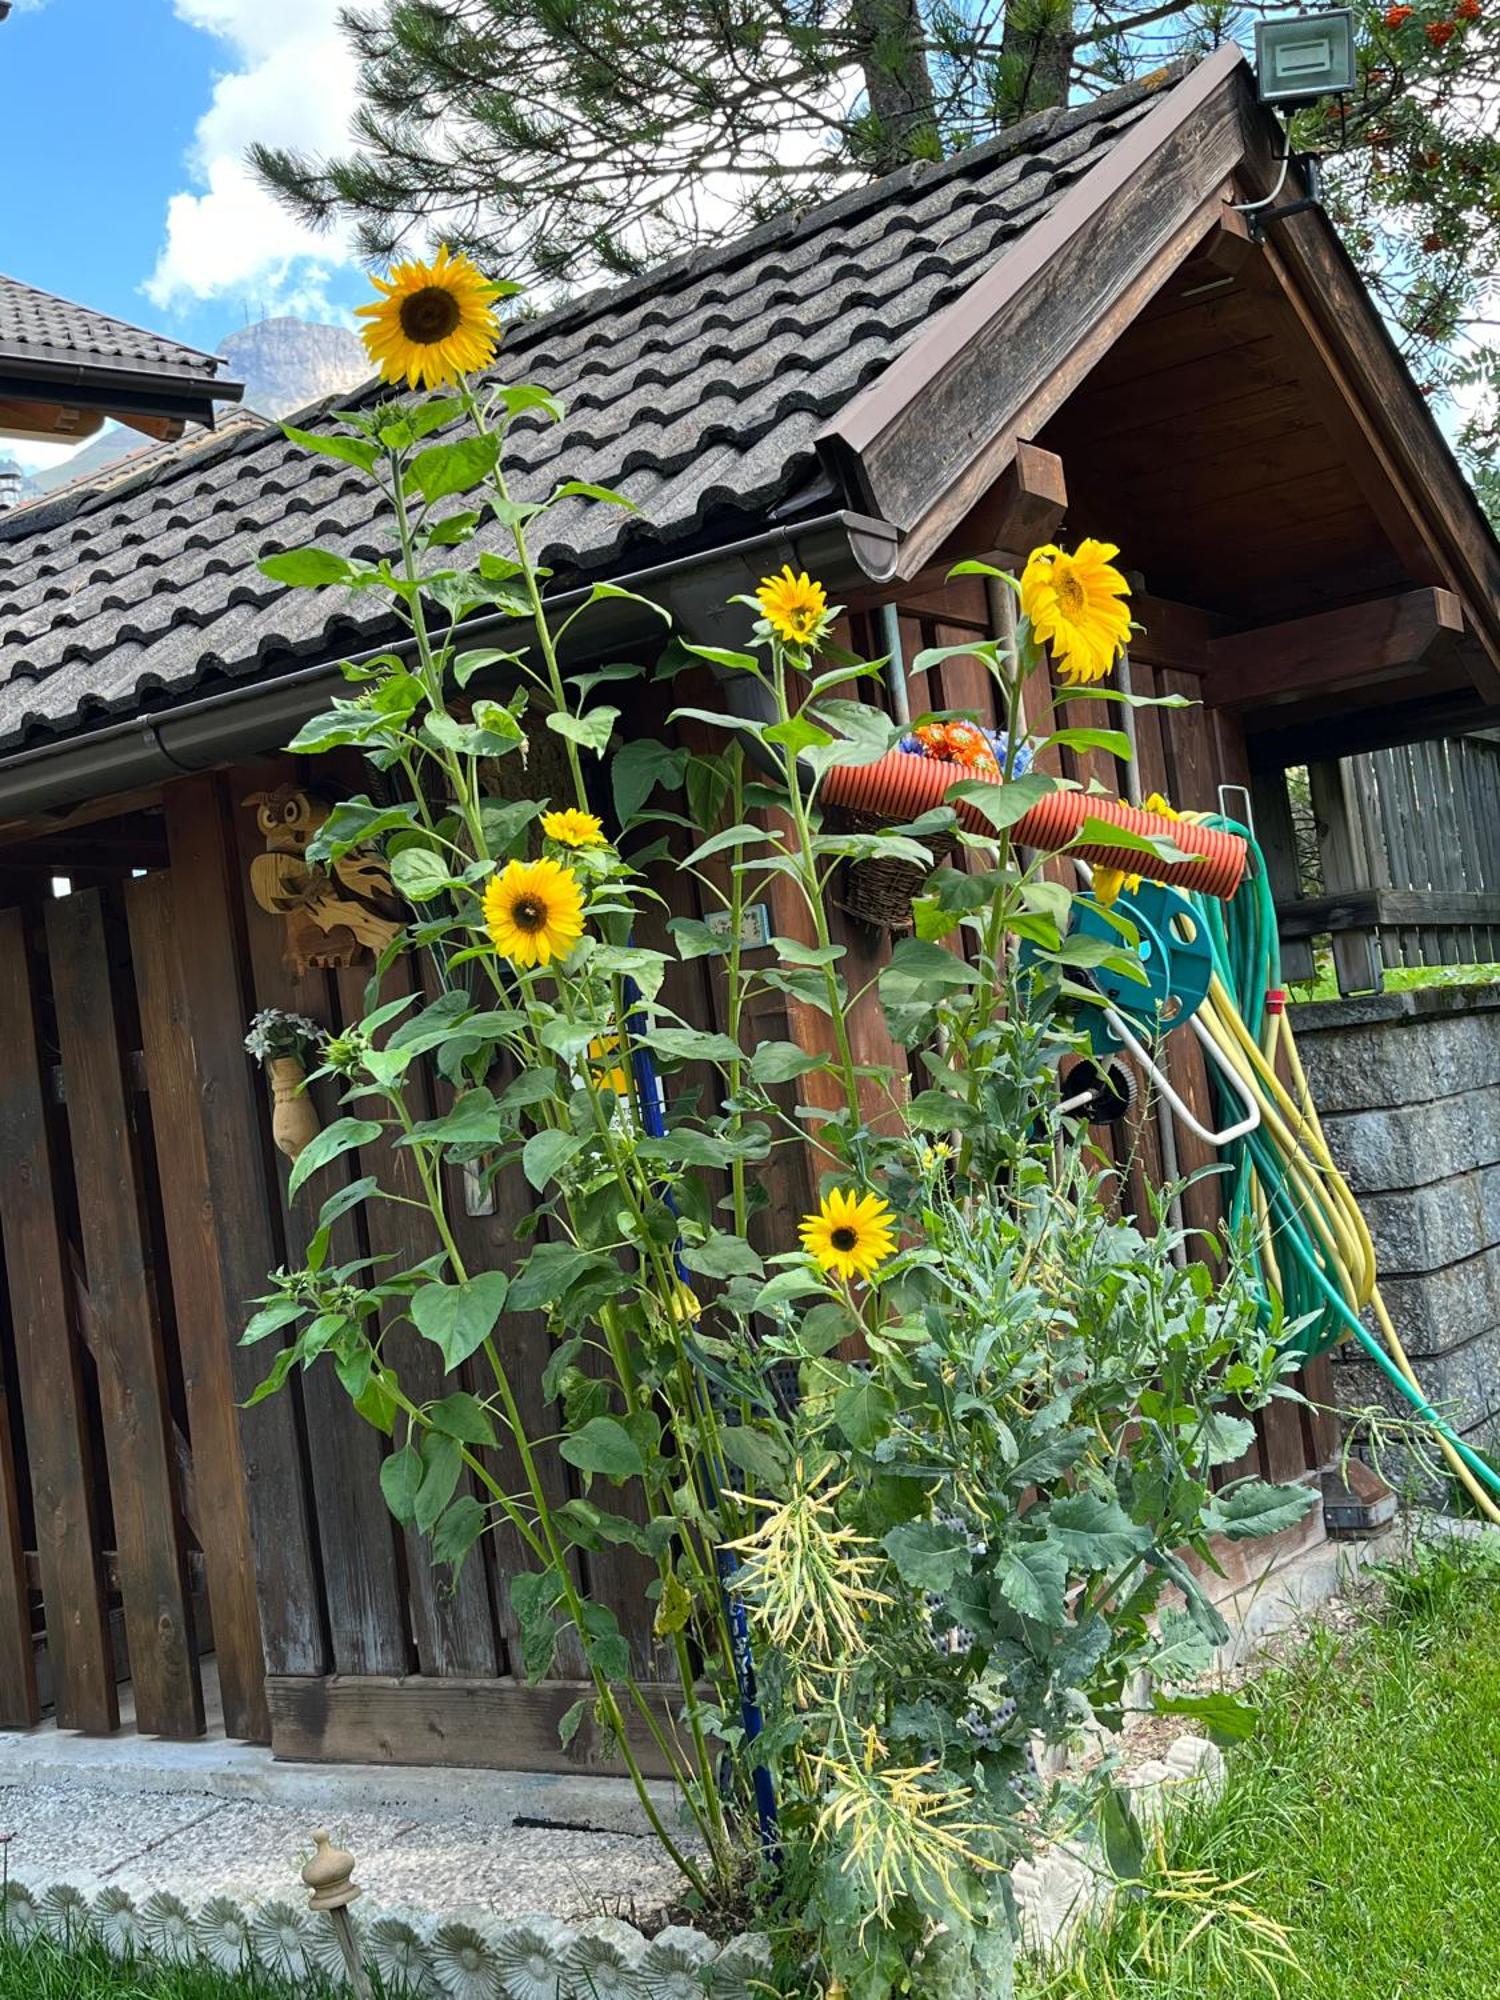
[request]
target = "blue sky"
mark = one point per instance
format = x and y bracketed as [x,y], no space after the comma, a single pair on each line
[122,128]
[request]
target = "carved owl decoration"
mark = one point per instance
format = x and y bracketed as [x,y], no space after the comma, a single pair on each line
[332,913]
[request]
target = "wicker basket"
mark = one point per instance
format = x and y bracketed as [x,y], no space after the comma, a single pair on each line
[880,892]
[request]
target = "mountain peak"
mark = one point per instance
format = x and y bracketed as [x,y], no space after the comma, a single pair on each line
[286,363]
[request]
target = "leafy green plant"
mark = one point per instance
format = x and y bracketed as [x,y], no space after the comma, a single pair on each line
[939,1466]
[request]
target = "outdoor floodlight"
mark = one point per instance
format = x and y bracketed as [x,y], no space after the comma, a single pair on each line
[1303,57]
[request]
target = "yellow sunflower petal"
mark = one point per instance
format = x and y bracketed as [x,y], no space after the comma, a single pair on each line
[1075,607]
[533,911]
[795,607]
[572,828]
[433,321]
[850,1235]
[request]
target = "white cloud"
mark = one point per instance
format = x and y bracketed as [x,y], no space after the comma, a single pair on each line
[33,456]
[292,83]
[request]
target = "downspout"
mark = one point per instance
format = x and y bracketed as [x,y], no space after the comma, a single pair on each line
[895,664]
[847,549]
[1166,1123]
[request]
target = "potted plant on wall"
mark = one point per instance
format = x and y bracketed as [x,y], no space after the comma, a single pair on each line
[284,1044]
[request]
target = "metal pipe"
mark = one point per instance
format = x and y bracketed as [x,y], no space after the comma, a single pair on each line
[1166,1124]
[895,664]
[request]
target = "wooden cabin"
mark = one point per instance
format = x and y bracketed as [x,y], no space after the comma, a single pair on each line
[1087,326]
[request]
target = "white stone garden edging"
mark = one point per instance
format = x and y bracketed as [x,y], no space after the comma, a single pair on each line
[420,1956]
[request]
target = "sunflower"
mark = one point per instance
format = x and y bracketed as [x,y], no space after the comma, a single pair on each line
[436,321]
[851,1234]
[1108,882]
[533,911]
[604,1065]
[795,608]
[1074,605]
[571,828]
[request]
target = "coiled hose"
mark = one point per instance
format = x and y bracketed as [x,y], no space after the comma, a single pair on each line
[1312,1242]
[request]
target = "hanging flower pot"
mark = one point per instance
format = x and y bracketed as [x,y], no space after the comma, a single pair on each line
[879,891]
[283,1043]
[294,1116]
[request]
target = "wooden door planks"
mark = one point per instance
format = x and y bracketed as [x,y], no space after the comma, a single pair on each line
[49,1366]
[452,1621]
[361,1574]
[133,1397]
[208,1325]
[247,1244]
[20,1705]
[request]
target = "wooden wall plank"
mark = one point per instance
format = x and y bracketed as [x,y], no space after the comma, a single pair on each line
[207,1326]
[367,1615]
[132,1372]
[20,1705]
[49,1366]
[452,1621]
[233,1119]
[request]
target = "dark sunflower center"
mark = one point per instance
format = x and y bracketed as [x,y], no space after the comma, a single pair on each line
[429,315]
[528,913]
[843,1238]
[1070,590]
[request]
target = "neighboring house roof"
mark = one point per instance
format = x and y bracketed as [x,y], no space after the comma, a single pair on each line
[43,332]
[698,391]
[148,458]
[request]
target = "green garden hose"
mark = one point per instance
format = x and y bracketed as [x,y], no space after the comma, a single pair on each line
[1312,1245]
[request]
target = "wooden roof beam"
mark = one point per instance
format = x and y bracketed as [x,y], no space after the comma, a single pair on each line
[1023,508]
[932,434]
[1380,640]
[1395,451]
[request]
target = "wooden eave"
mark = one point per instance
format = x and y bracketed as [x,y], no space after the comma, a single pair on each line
[926,442]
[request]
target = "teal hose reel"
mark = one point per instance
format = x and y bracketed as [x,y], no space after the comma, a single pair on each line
[1173,955]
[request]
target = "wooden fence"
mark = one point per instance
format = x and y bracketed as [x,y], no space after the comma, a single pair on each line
[1408,848]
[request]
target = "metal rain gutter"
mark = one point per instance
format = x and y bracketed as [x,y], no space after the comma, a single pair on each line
[847,550]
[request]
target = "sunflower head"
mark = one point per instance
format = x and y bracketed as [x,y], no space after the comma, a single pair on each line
[533,911]
[795,608]
[851,1235]
[571,828]
[1075,604]
[433,322]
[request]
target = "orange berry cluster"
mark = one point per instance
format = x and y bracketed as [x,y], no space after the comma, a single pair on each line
[1438,33]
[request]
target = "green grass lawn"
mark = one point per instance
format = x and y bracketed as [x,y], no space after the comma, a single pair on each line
[44,1972]
[1398,979]
[1365,1813]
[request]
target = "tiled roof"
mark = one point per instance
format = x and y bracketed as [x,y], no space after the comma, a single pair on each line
[36,327]
[697,391]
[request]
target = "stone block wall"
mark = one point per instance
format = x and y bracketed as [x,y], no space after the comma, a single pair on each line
[1408,1087]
